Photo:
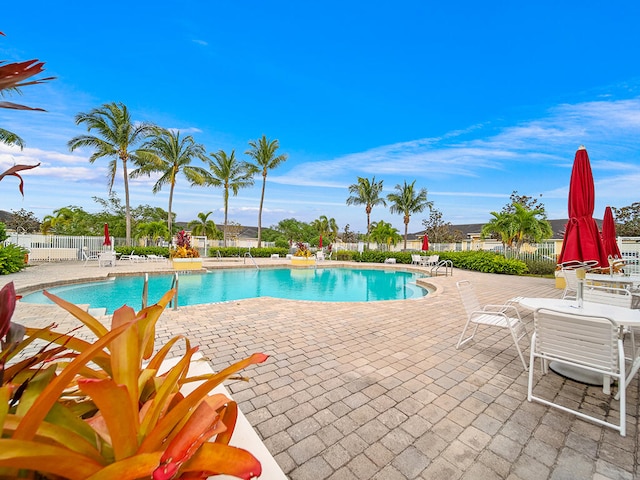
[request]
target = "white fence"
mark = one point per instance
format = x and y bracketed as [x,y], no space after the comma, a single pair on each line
[49,248]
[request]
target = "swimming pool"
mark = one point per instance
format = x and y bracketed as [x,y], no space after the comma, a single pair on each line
[319,284]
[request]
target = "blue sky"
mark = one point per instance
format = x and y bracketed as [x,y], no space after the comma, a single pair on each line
[471,99]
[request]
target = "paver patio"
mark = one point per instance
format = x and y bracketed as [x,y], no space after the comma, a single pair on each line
[378,390]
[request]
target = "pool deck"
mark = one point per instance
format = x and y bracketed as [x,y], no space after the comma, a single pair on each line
[378,390]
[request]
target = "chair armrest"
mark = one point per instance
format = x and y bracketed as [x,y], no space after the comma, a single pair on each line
[501,309]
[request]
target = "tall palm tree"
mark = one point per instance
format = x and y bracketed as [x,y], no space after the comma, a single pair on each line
[406,201]
[204,227]
[227,172]
[165,152]
[115,135]
[366,192]
[263,152]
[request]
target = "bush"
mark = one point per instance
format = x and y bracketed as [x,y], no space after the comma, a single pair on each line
[12,259]
[541,267]
[161,251]
[488,262]
[345,255]
[282,243]
[255,252]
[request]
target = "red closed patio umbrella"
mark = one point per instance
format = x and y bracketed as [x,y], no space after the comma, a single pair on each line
[582,241]
[320,242]
[609,235]
[425,242]
[107,238]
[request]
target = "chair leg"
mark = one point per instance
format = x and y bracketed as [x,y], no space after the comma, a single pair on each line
[515,341]
[461,341]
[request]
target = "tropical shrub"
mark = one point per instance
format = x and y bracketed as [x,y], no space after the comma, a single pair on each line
[541,267]
[12,258]
[488,262]
[183,247]
[302,251]
[77,409]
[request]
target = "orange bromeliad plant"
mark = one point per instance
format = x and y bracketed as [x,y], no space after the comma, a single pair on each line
[101,410]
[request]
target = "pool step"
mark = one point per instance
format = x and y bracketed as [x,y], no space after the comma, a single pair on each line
[97,312]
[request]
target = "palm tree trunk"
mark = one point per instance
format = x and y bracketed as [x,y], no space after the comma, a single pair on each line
[170,218]
[226,206]
[127,208]
[406,231]
[264,184]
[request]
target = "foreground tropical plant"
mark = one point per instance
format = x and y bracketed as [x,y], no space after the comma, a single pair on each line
[183,247]
[101,410]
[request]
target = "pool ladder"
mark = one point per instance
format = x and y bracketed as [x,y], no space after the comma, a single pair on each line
[248,254]
[145,291]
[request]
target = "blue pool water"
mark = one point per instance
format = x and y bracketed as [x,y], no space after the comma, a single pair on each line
[321,284]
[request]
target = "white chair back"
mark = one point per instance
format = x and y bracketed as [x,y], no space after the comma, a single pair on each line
[581,341]
[468,296]
[620,297]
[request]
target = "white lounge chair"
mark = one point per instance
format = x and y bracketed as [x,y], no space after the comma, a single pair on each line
[589,343]
[500,316]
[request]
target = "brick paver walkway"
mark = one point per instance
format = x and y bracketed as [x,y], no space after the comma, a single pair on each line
[378,390]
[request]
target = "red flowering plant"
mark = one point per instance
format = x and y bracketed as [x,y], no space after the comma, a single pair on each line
[183,247]
[76,409]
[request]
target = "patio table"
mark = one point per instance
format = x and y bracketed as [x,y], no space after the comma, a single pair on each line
[627,317]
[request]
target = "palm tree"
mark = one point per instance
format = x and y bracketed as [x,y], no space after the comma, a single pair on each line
[326,227]
[230,174]
[384,233]
[11,138]
[165,152]
[517,227]
[406,201]
[366,192]
[204,227]
[263,152]
[116,135]
[153,231]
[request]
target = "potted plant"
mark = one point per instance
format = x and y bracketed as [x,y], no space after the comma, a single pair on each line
[303,256]
[184,256]
[100,410]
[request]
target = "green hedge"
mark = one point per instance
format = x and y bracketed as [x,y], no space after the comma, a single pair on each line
[12,259]
[255,252]
[488,262]
[481,261]
[162,251]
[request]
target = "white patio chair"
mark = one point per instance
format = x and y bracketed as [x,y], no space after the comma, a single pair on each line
[431,260]
[590,343]
[500,316]
[107,258]
[416,259]
[571,284]
[319,256]
[87,257]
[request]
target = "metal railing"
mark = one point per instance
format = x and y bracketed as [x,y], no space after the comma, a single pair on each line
[248,255]
[175,284]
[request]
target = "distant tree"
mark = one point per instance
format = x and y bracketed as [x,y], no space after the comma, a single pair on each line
[291,229]
[116,134]
[166,153]
[152,232]
[385,235]
[406,201]
[627,220]
[24,220]
[234,229]
[438,230]
[514,229]
[230,174]
[71,220]
[366,192]
[529,203]
[348,236]
[203,227]
[327,228]
[263,152]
